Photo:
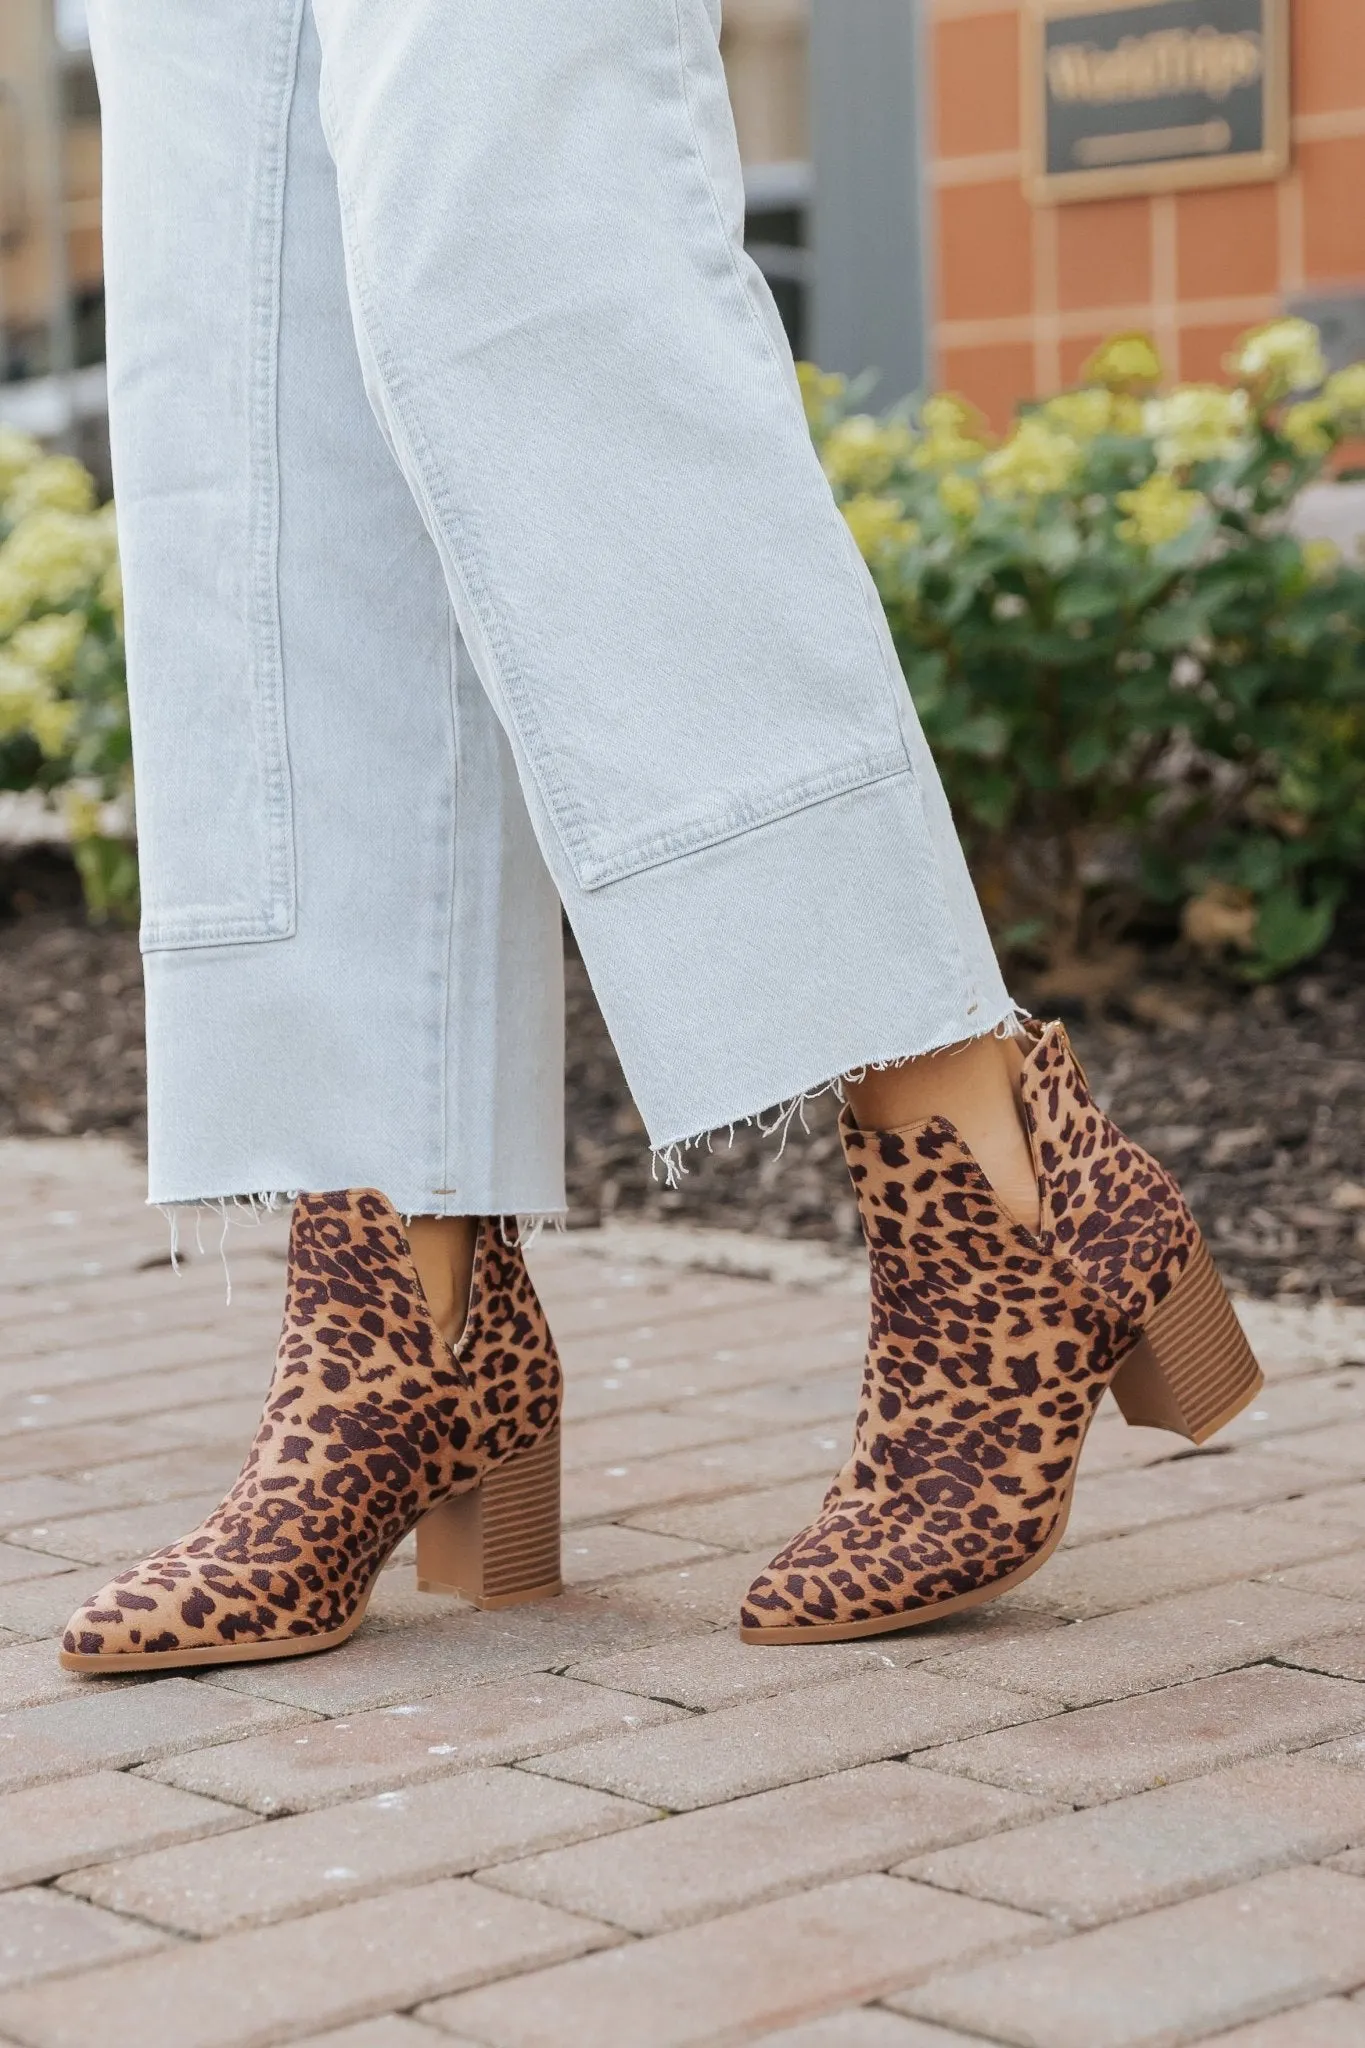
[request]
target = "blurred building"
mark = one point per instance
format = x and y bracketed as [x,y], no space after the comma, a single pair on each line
[963,192]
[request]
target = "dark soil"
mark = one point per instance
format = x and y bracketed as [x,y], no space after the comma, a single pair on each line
[1256,1098]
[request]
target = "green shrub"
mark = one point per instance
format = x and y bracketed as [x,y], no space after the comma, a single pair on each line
[63,700]
[1141,689]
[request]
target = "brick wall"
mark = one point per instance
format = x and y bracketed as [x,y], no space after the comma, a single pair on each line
[1023,293]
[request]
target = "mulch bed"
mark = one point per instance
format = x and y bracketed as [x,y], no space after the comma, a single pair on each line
[1255,1097]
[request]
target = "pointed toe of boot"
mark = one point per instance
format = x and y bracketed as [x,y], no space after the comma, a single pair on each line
[122,1624]
[176,1610]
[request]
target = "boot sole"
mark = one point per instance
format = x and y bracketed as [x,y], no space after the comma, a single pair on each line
[1190,1371]
[497,1545]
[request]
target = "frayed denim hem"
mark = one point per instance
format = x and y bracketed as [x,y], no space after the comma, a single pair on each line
[670,1165]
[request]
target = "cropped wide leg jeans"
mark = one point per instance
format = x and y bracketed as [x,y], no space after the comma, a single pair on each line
[477,560]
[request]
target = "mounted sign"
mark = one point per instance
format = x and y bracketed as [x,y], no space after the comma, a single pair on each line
[1121,97]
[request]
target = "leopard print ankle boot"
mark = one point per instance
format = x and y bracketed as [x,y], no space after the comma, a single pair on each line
[372,1426]
[990,1348]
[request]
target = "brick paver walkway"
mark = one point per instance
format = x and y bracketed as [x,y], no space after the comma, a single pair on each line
[1125,1806]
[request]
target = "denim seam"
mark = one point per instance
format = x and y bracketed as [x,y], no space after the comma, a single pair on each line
[855,562]
[741,819]
[278,920]
[454,872]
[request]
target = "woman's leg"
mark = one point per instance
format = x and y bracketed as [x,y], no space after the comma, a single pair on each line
[976,1086]
[725,769]
[585,382]
[352,944]
[353,947]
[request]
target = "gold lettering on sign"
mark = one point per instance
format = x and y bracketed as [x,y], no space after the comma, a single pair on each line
[1152,67]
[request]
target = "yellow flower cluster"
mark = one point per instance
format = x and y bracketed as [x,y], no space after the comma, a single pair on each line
[1088,413]
[1283,356]
[1197,423]
[862,454]
[1158,510]
[57,550]
[29,703]
[1034,461]
[951,432]
[960,496]
[1126,362]
[1344,392]
[878,525]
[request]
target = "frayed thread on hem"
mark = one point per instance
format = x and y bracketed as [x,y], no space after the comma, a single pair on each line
[249,1212]
[668,1163]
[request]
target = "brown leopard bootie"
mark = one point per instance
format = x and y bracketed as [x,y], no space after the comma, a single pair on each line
[372,1426]
[990,1348]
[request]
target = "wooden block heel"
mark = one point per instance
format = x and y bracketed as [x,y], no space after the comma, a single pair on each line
[1192,1369]
[498,1545]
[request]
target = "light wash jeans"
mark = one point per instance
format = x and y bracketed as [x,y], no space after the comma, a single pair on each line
[477,558]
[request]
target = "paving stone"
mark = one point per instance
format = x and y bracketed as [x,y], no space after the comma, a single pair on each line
[1167,1976]
[109,1536]
[1111,1445]
[393,2031]
[764,1519]
[696,1865]
[59,1827]
[1132,1745]
[725,1980]
[139,1393]
[1342,1656]
[1191,1636]
[1342,1443]
[596,1552]
[1087,1580]
[606,1492]
[31,1500]
[264,1874]
[387,1747]
[17,1564]
[644,1433]
[30,1676]
[694,1596]
[1328,2023]
[606,1381]
[1158,1847]
[43,1934]
[1340,1578]
[154,1349]
[86,1449]
[1285,1407]
[1112,1503]
[763,1743]
[718,1670]
[830,1396]
[1350,1750]
[436,1644]
[273,1983]
[39,1608]
[1301,1337]
[110,1727]
[197,1470]
[867,2027]
[1347,1500]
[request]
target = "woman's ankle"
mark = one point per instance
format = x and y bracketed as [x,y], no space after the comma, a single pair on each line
[443,1252]
[976,1086]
